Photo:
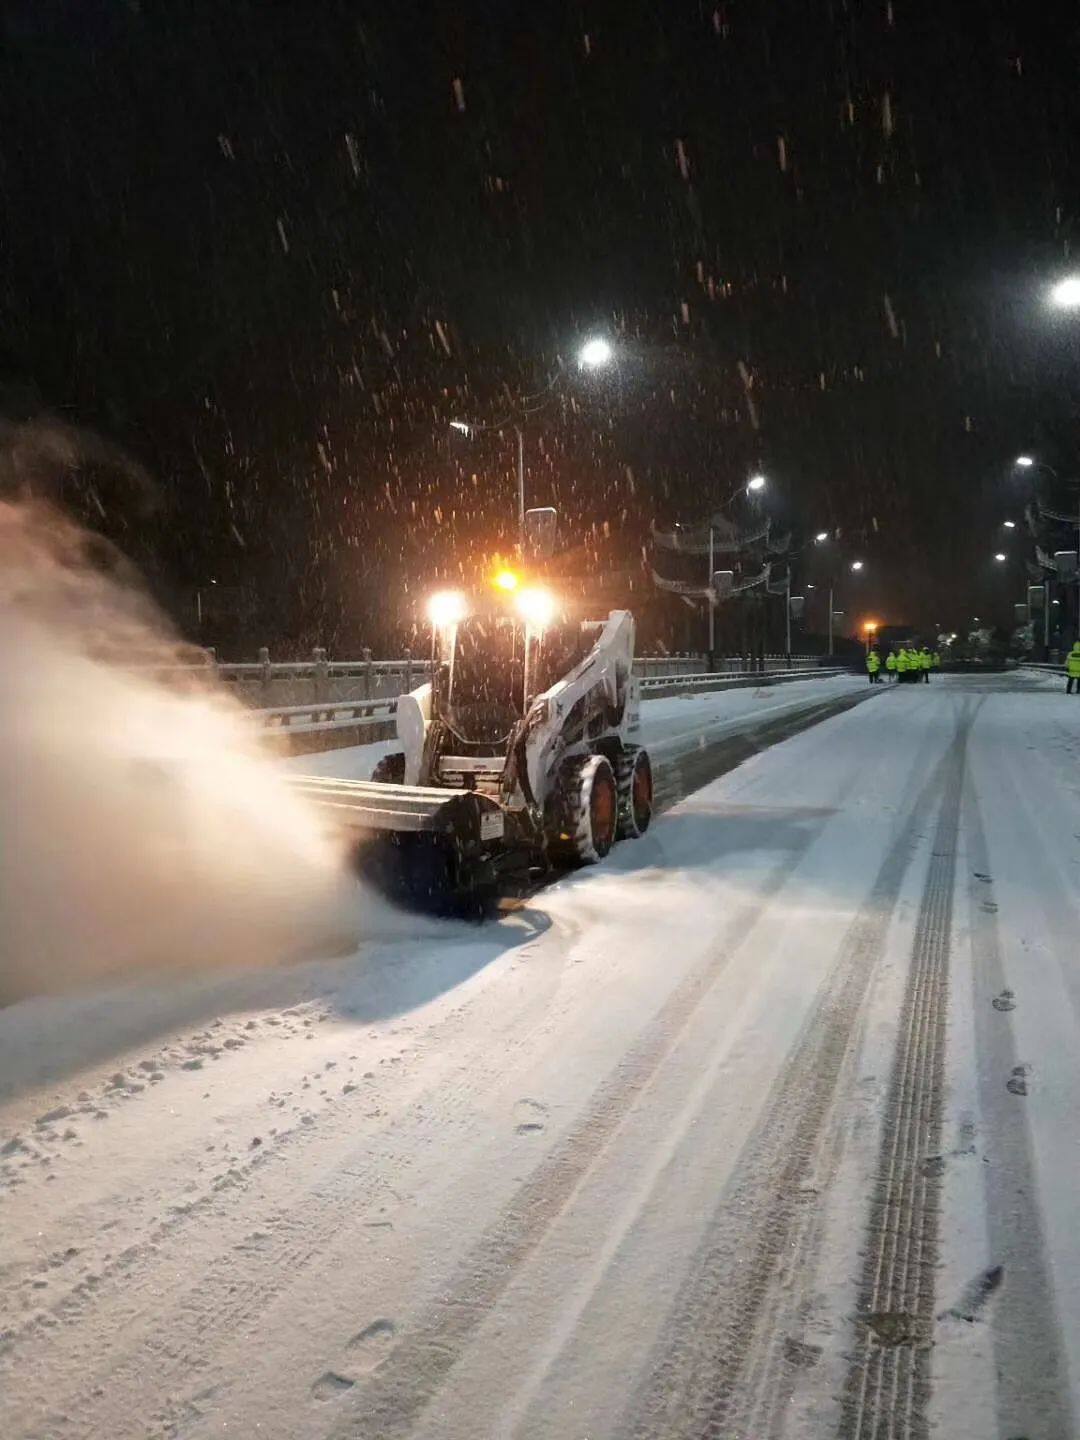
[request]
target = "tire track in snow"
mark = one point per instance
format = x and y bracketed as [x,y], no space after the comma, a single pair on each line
[707,1377]
[189,1323]
[888,1384]
[1032,1390]
[390,1404]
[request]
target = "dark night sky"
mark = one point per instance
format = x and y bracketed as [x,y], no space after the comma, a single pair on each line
[272,248]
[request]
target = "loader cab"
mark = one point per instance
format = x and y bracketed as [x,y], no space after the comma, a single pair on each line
[479,679]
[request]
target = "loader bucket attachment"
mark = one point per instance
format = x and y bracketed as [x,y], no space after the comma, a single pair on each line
[430,848]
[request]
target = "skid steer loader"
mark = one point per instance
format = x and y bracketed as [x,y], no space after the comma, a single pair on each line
[518,755]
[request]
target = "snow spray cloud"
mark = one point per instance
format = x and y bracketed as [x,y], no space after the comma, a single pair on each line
[140,828]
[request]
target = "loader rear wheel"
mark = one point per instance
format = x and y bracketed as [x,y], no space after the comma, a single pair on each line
[390,770]
[633,776]
[588,810]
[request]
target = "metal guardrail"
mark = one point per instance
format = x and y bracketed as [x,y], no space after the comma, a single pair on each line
[280,685]
[652,666]
[321,715]
[413,669]
[364,714]
[657,687]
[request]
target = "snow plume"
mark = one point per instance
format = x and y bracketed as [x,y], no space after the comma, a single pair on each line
[140,827]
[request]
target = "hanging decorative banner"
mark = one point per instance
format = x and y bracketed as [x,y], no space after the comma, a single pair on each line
[703,592]
[694,540]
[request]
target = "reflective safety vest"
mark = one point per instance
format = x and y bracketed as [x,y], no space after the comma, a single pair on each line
[1072,662]
[903,660]
[924,659]
[936,658]
[873,662]
[890,661]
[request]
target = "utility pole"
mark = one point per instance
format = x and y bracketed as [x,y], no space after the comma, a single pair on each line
[830,618]
[787,614]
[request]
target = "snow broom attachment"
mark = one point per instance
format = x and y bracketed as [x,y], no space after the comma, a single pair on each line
[435,848]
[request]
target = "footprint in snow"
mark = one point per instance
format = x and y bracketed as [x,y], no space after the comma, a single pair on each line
[530,1116]
[370,1346]
[330,1385]
[1017,1081]
[1004,1001]
[986,879]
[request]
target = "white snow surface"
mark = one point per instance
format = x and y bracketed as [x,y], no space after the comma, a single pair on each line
[577,1173]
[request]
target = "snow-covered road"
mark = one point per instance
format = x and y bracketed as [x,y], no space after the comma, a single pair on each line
[768,1126]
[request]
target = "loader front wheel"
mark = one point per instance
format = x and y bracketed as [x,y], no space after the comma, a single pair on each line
[587,811]
[633,776]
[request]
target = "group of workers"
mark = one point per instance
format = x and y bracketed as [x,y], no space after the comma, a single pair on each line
[903,664]
[1072,669]
[913,665]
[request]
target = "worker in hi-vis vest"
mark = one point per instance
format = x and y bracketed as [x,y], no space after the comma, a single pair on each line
[1072,669]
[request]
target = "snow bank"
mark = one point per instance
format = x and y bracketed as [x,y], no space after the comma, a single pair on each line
[141,829]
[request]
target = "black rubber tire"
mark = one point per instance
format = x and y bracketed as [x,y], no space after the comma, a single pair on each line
[633,776]
[390,770]
[586,811]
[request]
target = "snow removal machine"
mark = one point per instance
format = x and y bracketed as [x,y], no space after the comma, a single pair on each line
[517,755]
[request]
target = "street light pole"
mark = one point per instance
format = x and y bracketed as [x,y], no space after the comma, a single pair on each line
[1066,295]
[830,618]
[787,614]
[756,482]
[593,355]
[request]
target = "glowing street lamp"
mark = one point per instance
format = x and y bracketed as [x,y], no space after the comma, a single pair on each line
[756,482]
[1065,295]
[821,537]
[594,353]
[1009,524]
[536,607]
[446,608]
[856,565]
[1024,462]
[1000,556]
